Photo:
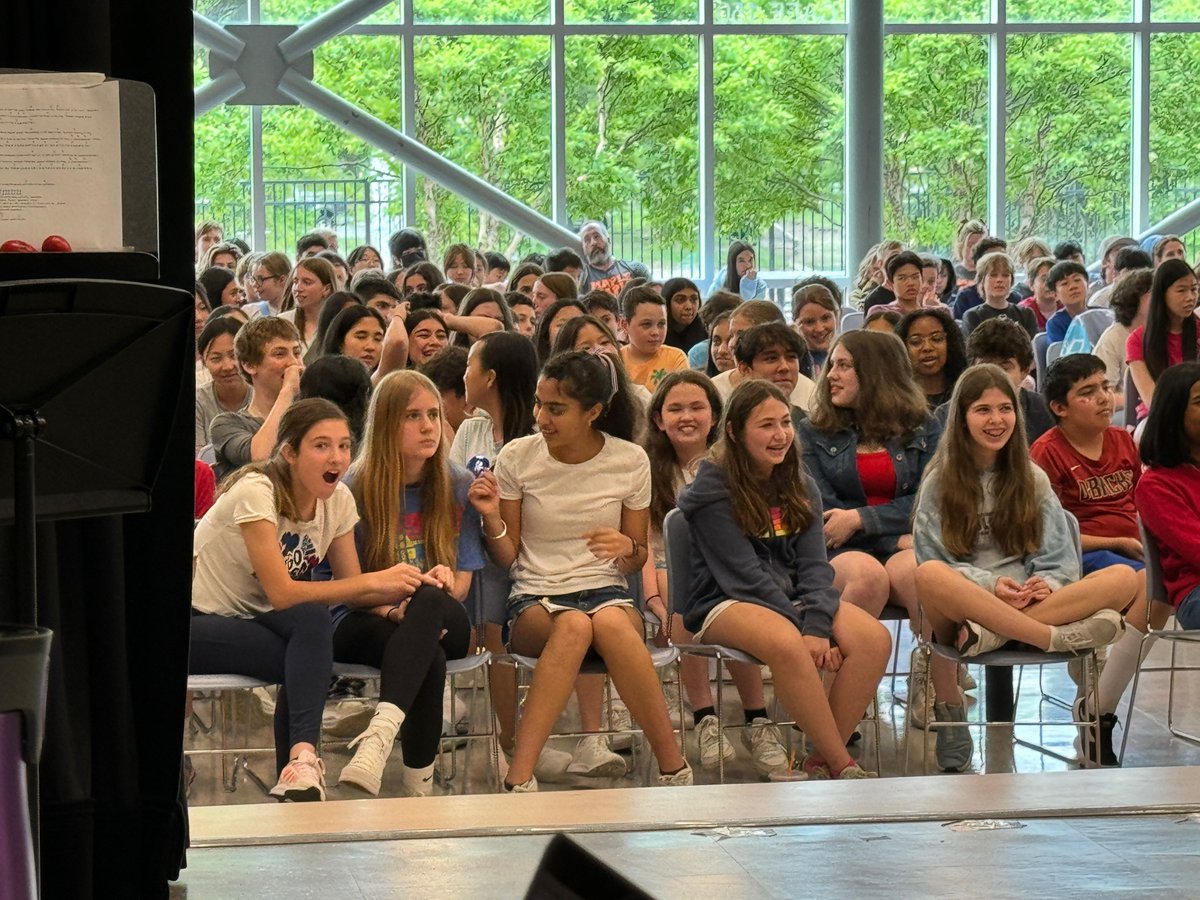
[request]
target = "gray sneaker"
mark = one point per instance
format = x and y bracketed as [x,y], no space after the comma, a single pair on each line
[1095,631]
[954,745]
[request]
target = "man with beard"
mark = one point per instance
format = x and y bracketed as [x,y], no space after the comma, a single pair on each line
[601,271]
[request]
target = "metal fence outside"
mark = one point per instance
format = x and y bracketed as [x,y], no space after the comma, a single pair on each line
[367,211]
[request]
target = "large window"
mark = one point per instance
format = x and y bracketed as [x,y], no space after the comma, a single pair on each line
[1068,137]
[632,151]
[935,114]
[595,109]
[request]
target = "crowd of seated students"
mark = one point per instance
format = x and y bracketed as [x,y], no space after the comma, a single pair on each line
[389,444]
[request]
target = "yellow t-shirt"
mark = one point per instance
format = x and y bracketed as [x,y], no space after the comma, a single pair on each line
[652,371]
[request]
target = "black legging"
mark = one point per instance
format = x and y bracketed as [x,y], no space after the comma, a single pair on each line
[290,647]
[412,662]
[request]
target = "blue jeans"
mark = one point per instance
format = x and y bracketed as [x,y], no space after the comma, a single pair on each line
[1187,614]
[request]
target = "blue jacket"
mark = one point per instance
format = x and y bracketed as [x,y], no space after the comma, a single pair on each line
[788,573]
[831,459]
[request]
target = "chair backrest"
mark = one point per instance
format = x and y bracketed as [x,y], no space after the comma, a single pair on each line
[1053,351]
[1039,356]
[852,320]
[1132,400]
[1095,322]
[679,556]
[1156,589]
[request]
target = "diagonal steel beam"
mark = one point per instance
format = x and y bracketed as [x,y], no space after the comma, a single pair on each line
[450,176]
[213,93]
[211,35]
[327,25]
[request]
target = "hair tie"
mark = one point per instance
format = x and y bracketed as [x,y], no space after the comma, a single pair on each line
[608,361]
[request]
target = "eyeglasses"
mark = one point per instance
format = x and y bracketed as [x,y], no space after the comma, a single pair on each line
[259,282]
[916,341]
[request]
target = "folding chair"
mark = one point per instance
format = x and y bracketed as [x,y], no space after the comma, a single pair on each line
[851,321]
[660,657]
[1039,357]
[222,686]
[1156,590]
[1020,657]
[679,549]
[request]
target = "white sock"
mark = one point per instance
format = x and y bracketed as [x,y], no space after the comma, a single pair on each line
[1123,661]
[417,782]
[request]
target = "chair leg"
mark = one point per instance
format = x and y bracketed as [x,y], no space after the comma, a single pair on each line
[720,720]
[1137,674]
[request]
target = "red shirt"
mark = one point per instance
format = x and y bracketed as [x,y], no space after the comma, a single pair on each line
[1169,503]
[1031,303]
[206,487]
[878,477]
[1098,492]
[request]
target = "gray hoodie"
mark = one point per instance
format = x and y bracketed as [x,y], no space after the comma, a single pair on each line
[788,573]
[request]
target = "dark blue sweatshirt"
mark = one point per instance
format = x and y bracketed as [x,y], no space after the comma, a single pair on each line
[788,573]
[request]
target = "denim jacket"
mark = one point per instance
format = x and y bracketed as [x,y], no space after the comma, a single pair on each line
[831,459]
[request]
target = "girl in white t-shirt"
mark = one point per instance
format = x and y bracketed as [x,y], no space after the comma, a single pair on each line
[255,609]
[567,510]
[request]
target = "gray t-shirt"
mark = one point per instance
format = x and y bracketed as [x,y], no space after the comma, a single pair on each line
[231,434]
[612,277]
[208,408]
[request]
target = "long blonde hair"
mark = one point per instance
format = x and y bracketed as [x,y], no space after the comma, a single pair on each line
[1016,523]
[378,480]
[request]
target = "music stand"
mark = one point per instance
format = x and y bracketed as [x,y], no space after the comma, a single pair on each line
[84,389]
[87,403]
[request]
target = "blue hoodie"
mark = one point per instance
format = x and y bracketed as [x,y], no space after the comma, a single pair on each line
[788,573]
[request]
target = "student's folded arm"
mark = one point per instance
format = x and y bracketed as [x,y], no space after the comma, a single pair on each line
[1057,560]
[813,581]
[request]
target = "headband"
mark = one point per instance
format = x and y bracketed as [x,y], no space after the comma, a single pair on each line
[608,361]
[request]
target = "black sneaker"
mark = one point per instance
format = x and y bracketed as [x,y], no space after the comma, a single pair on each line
[1083,742]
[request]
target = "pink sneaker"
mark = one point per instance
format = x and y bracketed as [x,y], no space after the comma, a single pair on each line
[302,779]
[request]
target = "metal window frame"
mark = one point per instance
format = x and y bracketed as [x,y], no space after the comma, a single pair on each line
[862,180]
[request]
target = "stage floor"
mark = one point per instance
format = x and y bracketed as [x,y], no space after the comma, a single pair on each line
[1064,833]
[1114,832]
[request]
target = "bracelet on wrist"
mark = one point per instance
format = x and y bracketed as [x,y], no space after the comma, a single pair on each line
[494,537]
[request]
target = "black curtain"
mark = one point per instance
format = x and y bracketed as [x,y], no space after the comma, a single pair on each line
[116,589]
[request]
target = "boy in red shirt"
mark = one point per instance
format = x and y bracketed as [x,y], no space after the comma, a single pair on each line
[1093,468]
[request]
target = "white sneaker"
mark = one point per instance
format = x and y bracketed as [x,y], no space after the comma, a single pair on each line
[714,746]
[671,695]
[680,779]
[762,738]
[528,787]
[347,718]
[593,759]
[550,767]
[974,639]
[620,720]
[365,769]
[1095,631]
[266,700]
[966,681]
[455,713]
[302,779]
[918,684]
